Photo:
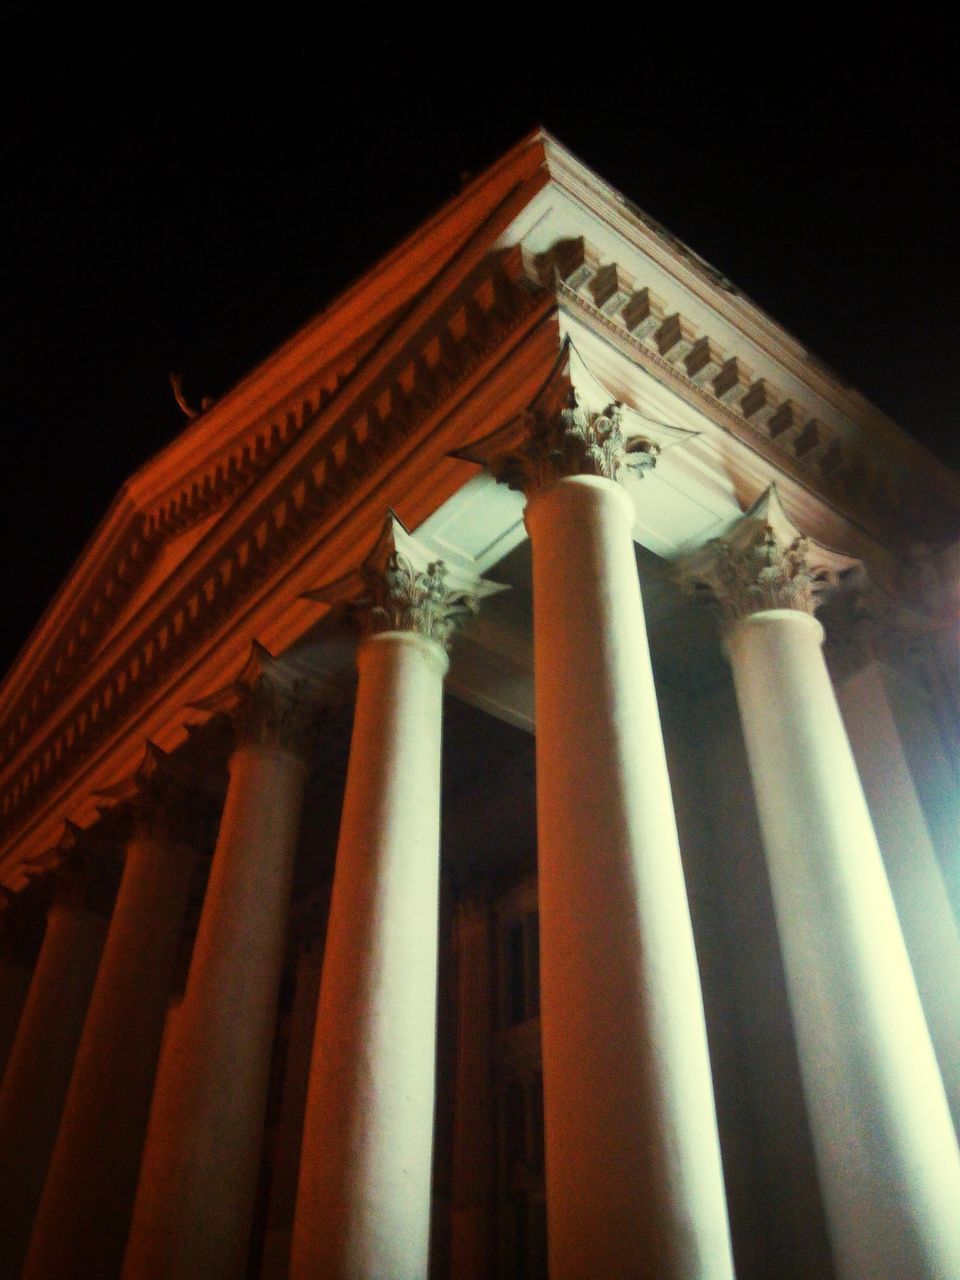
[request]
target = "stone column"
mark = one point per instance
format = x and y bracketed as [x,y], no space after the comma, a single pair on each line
[201,1159]
[38,1072]
[81,1225]
[870,700]
[471,1227]
[884,1142]
[21,930]
[633,1174]
[363,1201]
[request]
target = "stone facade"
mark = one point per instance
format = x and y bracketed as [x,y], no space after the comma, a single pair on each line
[568,886]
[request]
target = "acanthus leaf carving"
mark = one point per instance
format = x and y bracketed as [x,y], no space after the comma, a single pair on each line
[574,427]
[571,442]
[401,586]
[273,704]
[763,562]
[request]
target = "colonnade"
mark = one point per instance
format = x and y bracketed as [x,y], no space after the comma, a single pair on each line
[633,1168]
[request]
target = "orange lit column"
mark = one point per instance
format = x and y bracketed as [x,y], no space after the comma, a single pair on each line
[22,931]
[81,1225]
[38,1072]
[633,1175]
[15,975]
[202,1154]
[884,1142]
[363,1200]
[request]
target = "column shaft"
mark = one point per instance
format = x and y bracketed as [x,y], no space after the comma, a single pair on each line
[38,1072]
[81,1225]
[884,1142]
[201,1158]
[634,1180]
[363,1203]
[15,976]
[930,928]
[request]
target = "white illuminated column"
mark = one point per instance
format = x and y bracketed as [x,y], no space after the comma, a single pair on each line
[201,1161]
[363,1200]
[84,1213]
[885,1146]
[633,1175]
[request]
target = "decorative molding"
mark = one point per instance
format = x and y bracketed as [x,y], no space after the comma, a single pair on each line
[855,474]
[762,562]
[165,797]
[402,587]
[273,705]
[574,427]
[86,871]
[201,492]
[350,447]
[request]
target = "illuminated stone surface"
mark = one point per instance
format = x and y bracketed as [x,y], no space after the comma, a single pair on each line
[544,327]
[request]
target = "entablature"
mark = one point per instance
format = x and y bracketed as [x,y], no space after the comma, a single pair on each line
[285,482]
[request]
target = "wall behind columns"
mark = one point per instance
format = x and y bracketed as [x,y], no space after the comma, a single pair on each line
[745,1200]
[776,1210]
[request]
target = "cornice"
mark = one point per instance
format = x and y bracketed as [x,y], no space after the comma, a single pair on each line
[711,287]
[122,560]
[221,454]
[309,484]
[281,465]
[858,476]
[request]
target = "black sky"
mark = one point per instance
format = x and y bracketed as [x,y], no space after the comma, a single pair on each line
[183,197]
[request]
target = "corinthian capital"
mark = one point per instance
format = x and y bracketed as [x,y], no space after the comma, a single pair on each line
[272,703]
[164,796]
[763,562]
[402,587]
[573,428]
[87,872]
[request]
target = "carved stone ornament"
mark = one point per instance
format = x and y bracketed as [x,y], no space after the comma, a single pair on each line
[763,562]
[86,871]
[865,623]
[164,798]
[272,704]
[401,587]
[573,428]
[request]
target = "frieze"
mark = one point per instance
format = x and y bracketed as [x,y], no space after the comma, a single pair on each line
[225,474]
[721,380]
[353,448]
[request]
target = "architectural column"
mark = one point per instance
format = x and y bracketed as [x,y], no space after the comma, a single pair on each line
[885,1146]
[81,1225]
[201,1159]
[21,930]
[363,1201]
[633,1174]
[879,707]
[38,1072]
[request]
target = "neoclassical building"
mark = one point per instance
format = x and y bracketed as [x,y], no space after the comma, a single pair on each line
[483,805]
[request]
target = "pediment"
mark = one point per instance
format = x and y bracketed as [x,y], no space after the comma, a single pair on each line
[284,482]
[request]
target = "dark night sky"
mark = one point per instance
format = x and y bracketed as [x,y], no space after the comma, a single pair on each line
[184,199]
